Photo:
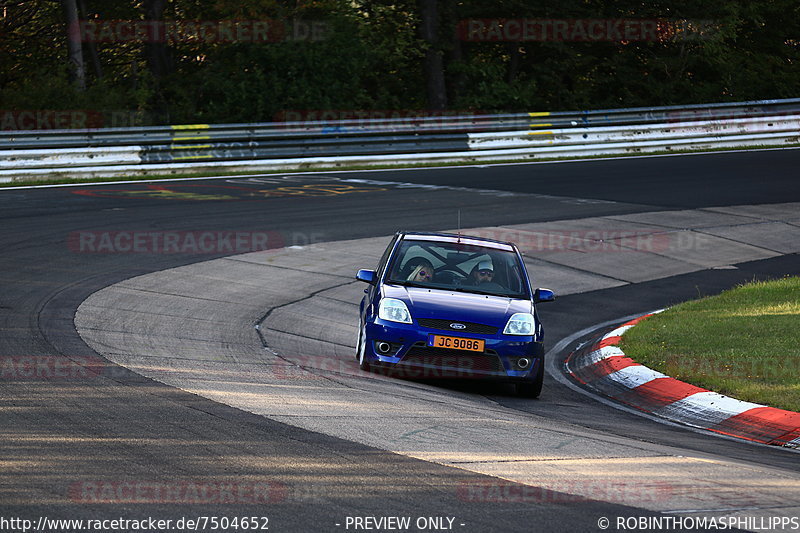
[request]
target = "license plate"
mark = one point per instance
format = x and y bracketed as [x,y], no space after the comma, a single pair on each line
[456,343]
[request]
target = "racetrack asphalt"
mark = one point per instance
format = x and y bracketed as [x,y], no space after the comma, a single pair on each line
[61,435]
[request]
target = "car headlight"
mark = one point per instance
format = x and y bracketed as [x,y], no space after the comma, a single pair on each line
[520,324]
[394,310]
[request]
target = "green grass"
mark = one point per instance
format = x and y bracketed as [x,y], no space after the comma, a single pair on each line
[176,175]
[743,343]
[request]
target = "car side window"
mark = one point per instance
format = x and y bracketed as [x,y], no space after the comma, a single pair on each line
[385,257]
[400,260]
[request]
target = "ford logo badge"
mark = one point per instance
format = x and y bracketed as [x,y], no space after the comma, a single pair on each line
[456,325]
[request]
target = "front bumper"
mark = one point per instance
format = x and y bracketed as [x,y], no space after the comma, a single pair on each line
[505,357]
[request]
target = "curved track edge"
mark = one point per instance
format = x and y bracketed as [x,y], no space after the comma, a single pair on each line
[603,367]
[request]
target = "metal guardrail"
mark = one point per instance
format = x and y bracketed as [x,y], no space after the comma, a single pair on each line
[283,145]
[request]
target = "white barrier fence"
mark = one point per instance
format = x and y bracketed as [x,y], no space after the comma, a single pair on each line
[380,149]
[664,134]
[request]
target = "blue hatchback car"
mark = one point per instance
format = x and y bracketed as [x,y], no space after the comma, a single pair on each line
[443,306]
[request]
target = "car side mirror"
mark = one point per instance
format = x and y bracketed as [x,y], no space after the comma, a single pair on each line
[543,295]
[367,276]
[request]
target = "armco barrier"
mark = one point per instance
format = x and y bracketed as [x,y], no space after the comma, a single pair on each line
[30,155]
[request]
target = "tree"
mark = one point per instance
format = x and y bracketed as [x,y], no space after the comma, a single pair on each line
[74,48]
[384,55]
[436,90]
[156,51]
[90,45]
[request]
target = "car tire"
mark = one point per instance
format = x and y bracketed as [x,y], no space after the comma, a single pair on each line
[532,389]
[361,350]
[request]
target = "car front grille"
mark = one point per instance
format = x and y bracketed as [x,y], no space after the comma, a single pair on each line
[470,327]
[453,359]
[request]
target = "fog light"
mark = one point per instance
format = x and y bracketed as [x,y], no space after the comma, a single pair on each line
[384,347]
[523,363]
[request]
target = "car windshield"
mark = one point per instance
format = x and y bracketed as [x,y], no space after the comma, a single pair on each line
[458,267]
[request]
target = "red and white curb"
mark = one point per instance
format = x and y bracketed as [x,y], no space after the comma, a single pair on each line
[604,367]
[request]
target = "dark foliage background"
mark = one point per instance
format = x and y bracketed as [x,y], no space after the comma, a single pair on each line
[388,55]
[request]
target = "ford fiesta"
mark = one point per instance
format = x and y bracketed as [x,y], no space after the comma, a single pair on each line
[451,306]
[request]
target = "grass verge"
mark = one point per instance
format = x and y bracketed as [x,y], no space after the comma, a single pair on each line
[744,343]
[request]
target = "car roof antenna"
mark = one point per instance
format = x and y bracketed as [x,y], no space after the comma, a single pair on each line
[459,226]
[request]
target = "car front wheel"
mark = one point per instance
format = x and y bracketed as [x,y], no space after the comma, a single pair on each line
[532,389]
[361,350]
